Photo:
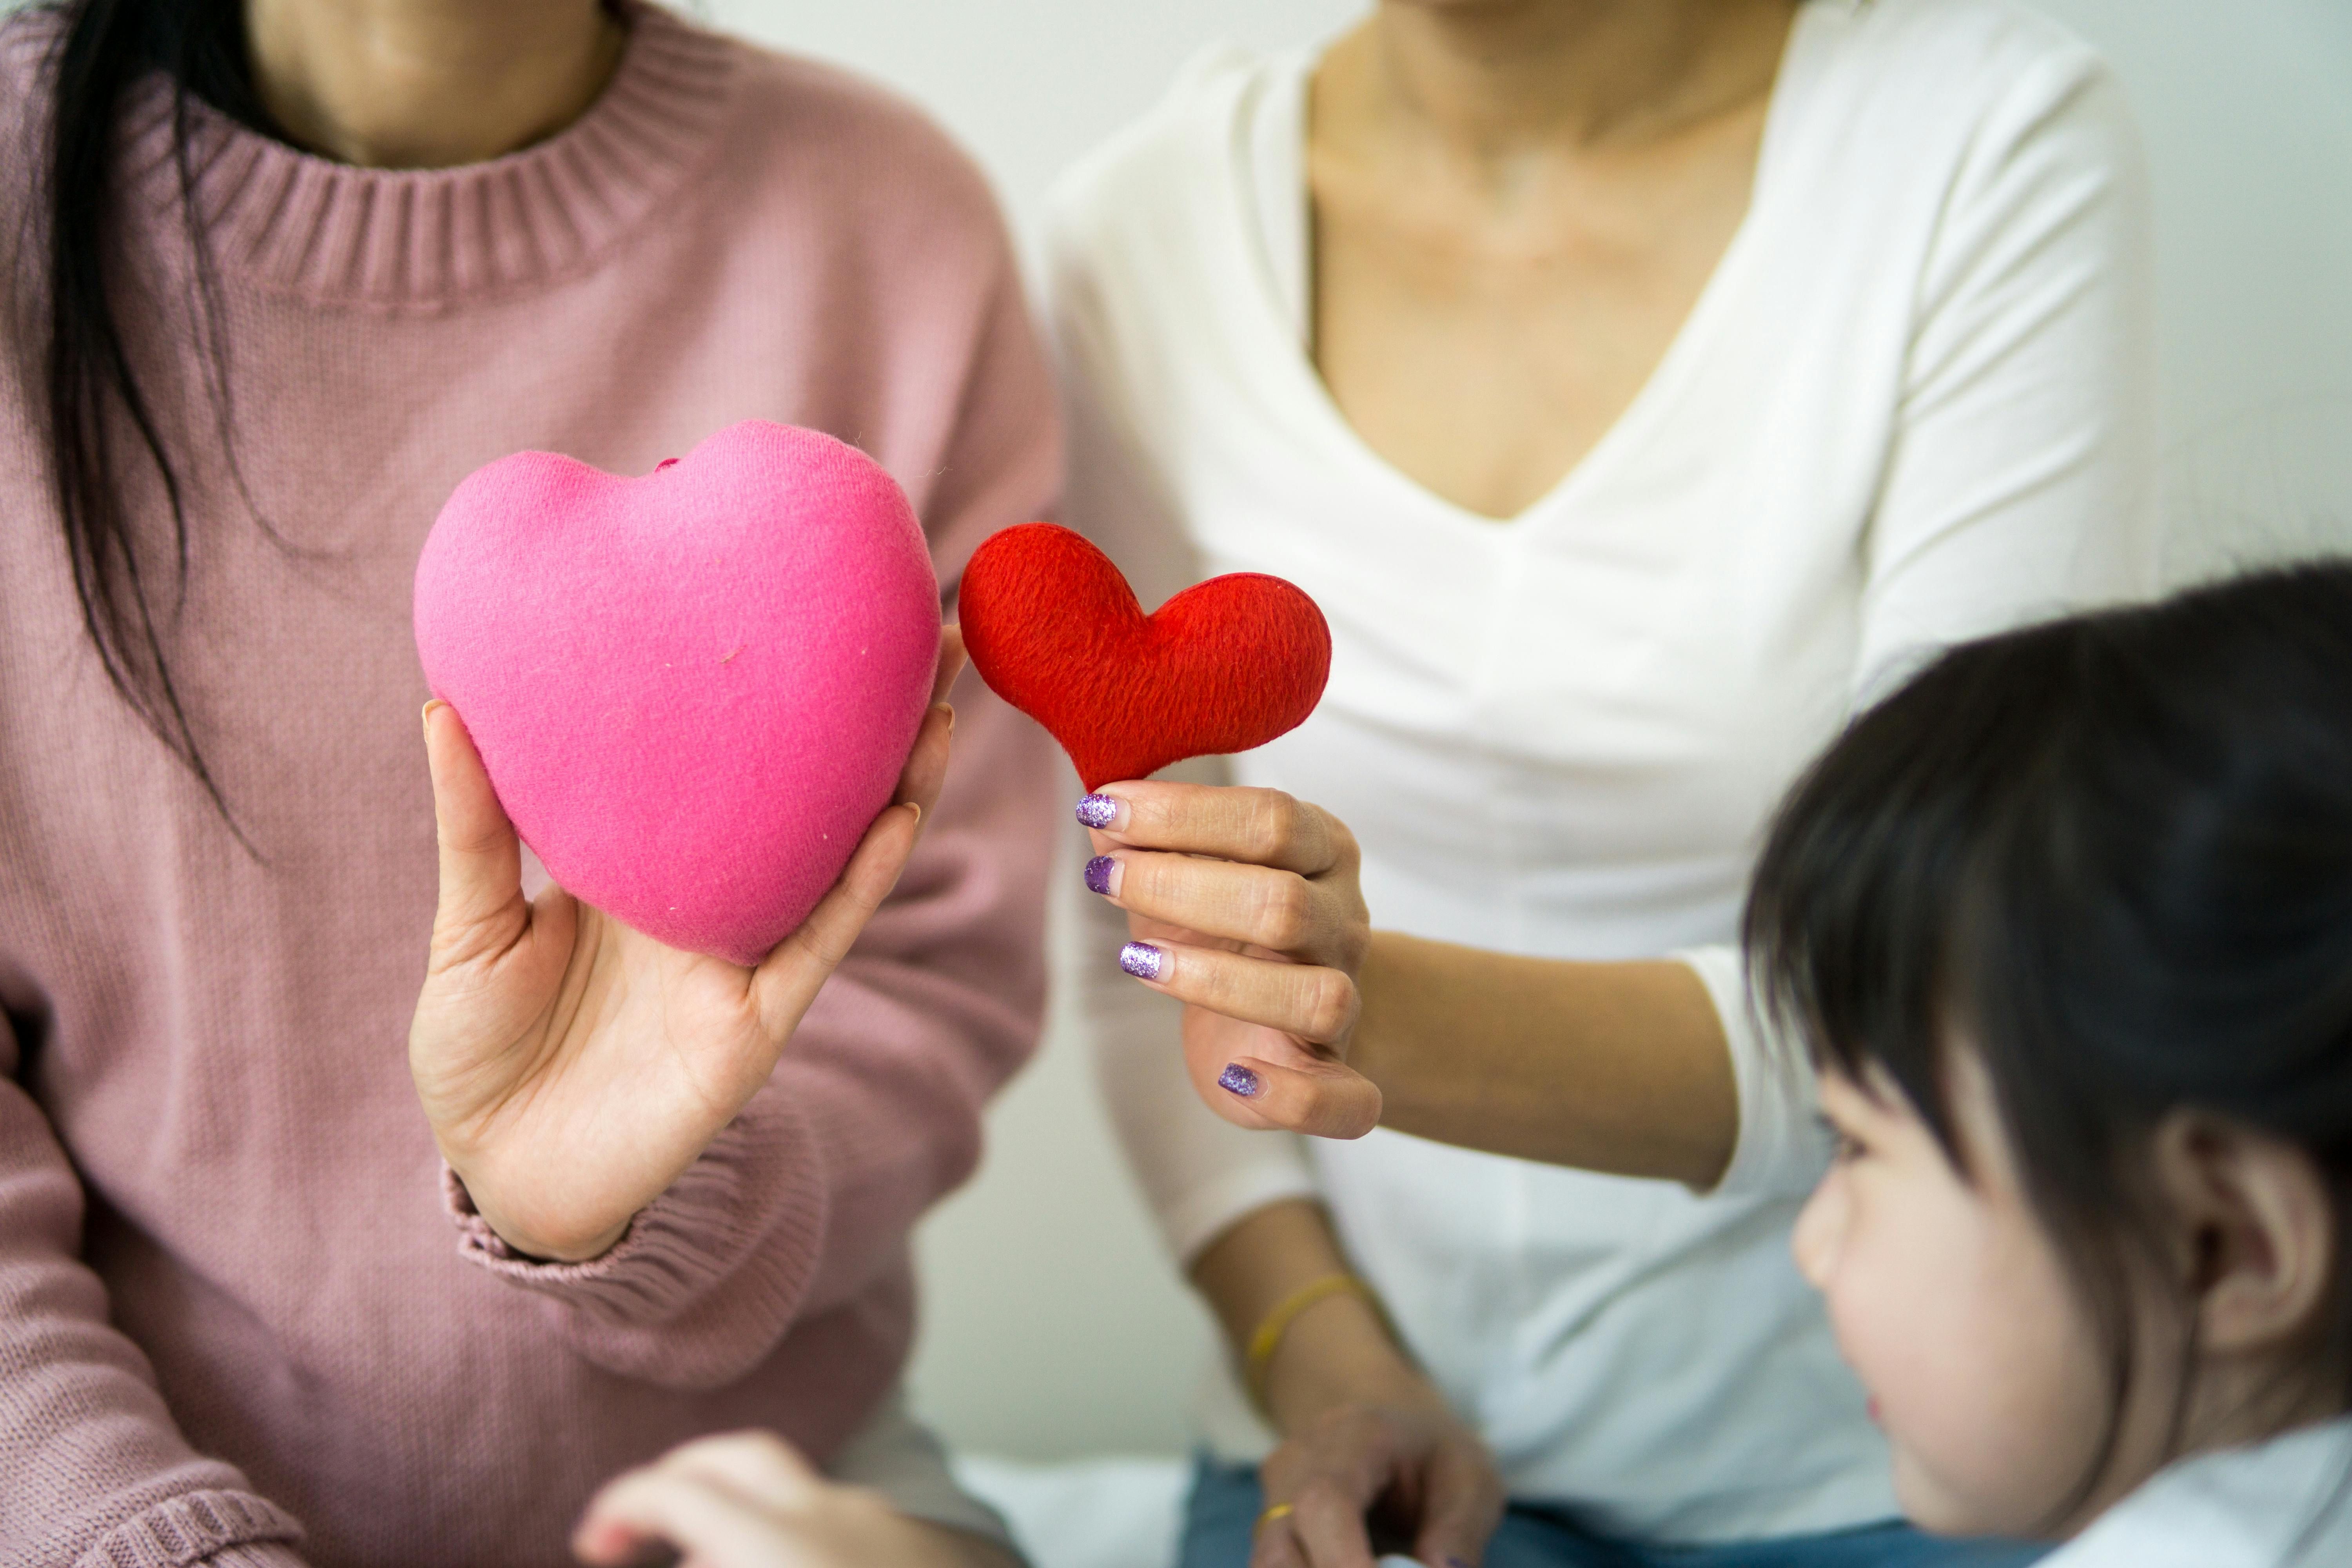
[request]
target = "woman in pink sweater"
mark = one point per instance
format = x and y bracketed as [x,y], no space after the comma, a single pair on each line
[278,274]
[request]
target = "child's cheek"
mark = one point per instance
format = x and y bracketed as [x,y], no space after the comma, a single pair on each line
[1900,1304]
[1883,1322]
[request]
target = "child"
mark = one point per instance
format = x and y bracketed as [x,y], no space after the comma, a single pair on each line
[2068,922]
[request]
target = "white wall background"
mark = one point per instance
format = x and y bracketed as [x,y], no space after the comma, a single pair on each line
[1052,1327]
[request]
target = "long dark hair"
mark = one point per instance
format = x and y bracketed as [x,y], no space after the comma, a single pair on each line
[2115,854]
[102,49]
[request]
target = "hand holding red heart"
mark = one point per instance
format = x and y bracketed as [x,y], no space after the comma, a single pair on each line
[571,1066]
[1244,902]
[1245,906]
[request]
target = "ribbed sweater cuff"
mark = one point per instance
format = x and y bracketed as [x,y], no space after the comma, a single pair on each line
[219,1530]
[752,1208]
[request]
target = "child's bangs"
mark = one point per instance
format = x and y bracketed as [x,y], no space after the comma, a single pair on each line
[1873,925]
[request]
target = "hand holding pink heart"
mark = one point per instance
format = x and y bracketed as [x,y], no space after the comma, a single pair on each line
[572,1067]
[693,693]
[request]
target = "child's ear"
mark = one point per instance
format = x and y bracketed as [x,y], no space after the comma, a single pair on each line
[2255,1232]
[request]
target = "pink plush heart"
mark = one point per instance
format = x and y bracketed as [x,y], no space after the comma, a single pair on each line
[693,690]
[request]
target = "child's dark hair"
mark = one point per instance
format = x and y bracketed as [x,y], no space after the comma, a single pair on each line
[2115,854]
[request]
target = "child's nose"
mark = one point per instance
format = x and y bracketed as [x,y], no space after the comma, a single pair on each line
[1814,1240]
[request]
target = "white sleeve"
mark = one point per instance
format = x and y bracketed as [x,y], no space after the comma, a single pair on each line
[2021,483]
[1200,1173]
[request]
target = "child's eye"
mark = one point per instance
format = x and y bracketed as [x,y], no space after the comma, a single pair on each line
[1847,1147]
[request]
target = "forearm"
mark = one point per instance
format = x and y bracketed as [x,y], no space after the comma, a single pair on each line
[1339,1351]
[1621,1067]
[94,1468]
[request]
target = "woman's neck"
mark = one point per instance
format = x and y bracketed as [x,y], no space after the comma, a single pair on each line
[428,84]
[1490,79]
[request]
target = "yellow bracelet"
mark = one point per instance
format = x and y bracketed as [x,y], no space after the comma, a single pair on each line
[1267,1338]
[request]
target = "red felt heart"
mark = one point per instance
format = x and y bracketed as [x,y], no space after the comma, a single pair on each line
[1054,630]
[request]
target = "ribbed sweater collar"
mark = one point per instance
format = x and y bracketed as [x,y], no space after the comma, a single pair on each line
[298,224]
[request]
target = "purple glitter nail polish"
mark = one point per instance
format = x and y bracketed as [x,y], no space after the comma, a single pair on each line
[1238,1079]
[1098,811]
[1142,960]
[1098,870]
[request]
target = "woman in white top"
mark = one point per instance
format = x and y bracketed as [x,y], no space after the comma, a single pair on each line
[1634,386]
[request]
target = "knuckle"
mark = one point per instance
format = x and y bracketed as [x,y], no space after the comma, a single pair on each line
[1151,812]
[1284,915]
[1271,827]
[1215,981]
[468,845]
[1319,1494]
[460,942]
[1330,1003]
[1161,878]
[820,946]
[686,1458]
[765,1445]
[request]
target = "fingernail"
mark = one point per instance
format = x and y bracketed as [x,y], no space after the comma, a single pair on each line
[427,714]
[1238,1079]
[1101,810]
[1102,876]
[1142,960]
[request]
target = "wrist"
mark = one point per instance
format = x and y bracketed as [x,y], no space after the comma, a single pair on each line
[529,1243]
[1338,1353]
[1384,984]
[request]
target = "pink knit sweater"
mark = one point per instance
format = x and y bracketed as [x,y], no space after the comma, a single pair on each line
[241,1320]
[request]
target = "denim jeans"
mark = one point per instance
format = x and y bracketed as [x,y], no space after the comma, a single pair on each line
[1223,1511]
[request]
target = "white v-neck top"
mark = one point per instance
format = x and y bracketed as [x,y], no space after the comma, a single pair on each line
[1911,405]
[2283,1503]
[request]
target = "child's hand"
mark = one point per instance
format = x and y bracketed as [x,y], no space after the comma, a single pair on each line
[748,1501]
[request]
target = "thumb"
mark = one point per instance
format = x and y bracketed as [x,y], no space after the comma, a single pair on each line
[1329,1100]
[952,657]
[481,860]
